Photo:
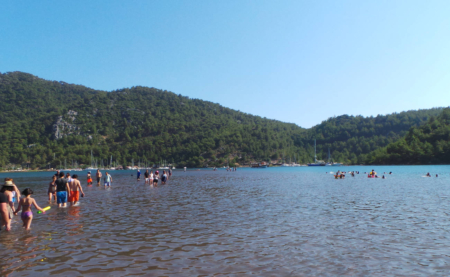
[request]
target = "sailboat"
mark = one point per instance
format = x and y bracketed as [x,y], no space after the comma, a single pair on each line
[330,161]
[284,162]
[316,162]
[92,167]
[163,165]
[111,165]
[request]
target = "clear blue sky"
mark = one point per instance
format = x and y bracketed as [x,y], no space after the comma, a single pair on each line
[295,61]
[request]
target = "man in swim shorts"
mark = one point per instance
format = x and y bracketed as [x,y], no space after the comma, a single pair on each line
[61,190]
[99,177]
[74,190]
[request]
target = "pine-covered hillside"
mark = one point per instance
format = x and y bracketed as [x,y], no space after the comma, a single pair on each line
[351,138]
[427,144]
[46,123]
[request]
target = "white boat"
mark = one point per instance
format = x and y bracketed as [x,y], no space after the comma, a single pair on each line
[259,165]
[285,165]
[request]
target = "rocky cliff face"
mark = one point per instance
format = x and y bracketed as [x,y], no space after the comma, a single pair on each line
[63,128]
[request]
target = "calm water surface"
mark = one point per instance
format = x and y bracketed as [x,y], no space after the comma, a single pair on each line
[253,222]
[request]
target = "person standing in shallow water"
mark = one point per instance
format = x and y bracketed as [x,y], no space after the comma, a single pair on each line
[155,178]
[164,178]
[52,189]
[6,205]
[108,180]
[99,177]
[25,204]
[89,179]
[62,187]
[146,176]
[138,175]
[74,190]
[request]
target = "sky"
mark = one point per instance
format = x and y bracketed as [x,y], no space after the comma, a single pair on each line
[295,61]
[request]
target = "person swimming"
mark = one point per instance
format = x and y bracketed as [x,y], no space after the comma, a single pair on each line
[428,174]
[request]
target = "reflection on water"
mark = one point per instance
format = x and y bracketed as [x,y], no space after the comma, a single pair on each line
[261,222]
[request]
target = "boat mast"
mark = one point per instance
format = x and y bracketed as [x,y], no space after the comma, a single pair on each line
[315,156]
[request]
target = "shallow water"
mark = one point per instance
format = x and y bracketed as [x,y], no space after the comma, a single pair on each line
[259,222]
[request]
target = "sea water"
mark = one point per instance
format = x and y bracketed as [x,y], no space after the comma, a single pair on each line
[260,222]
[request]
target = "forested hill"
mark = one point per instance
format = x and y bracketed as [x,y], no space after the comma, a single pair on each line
[45,123]
[427,144]
[351,138]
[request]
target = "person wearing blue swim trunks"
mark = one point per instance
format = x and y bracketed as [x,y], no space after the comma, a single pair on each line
[62,186]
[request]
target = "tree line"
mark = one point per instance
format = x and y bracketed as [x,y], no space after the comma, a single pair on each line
[149,125]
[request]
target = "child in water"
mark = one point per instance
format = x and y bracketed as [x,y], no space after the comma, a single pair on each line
[89,179]
[25,204]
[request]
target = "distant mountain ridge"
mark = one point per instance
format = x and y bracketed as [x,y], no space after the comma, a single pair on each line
[48,123]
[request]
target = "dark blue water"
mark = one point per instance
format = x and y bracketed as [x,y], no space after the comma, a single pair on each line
[253,222]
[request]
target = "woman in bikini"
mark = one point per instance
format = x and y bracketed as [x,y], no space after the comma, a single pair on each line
[6,204]
[25,204]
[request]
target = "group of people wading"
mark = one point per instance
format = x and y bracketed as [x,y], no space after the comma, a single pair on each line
[152,179]
[64,188]
[9,195]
